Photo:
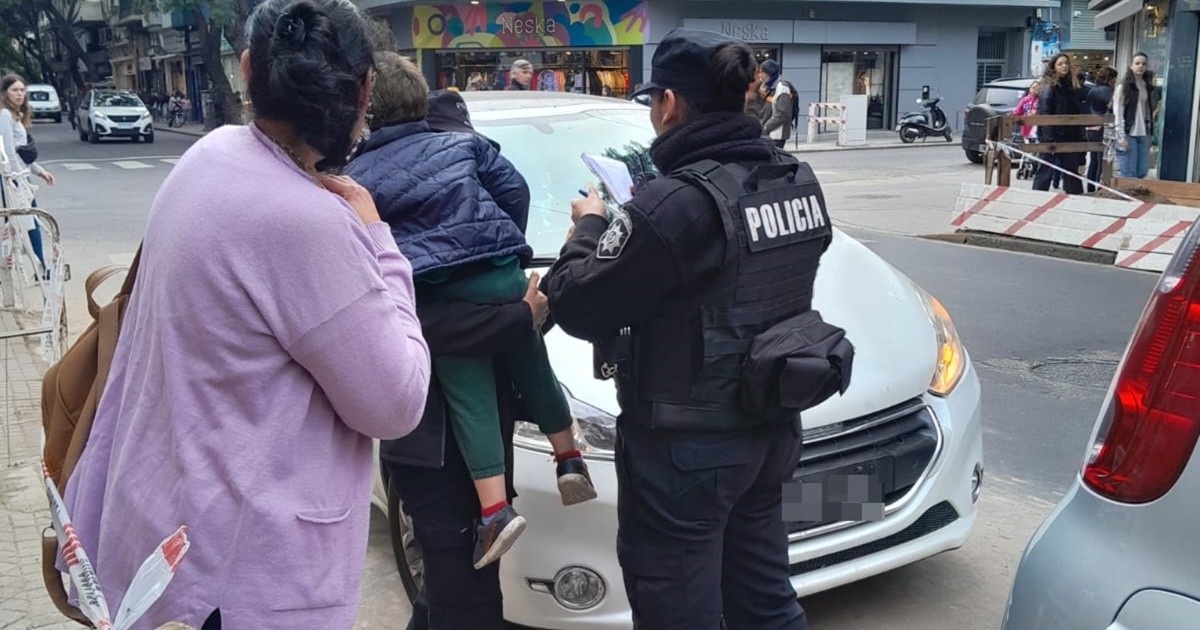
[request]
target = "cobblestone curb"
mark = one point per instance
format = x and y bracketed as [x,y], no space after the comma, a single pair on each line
[24,604]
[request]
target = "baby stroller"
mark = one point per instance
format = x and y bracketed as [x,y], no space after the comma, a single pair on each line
[1026,168]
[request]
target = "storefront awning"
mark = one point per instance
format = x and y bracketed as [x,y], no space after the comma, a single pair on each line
[1117,12]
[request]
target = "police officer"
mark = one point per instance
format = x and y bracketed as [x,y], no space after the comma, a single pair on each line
[681,293]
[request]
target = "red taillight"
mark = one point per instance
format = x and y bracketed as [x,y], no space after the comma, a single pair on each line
[1153,419]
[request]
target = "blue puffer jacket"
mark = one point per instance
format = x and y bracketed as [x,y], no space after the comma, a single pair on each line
[450,198]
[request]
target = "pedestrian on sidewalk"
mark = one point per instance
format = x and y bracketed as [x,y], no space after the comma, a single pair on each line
[16,120]
[1061,96]
[1135,104]
[466,240]
[1098,103]
[256,364]
[780,110]
[419,138]
[1027,106]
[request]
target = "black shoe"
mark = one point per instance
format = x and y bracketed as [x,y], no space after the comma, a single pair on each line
[493,539]
[574,482]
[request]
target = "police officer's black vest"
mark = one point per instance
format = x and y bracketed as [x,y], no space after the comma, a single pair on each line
[756,318]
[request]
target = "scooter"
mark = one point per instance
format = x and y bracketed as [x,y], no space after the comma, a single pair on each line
[922,124]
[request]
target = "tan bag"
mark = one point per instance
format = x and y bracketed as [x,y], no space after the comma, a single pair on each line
[71,392]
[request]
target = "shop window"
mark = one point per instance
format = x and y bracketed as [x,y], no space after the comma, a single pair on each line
[1152,35]
[602,72]
[858,72]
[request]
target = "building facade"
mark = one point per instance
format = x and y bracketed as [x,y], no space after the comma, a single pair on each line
[1168,32]
[888,51]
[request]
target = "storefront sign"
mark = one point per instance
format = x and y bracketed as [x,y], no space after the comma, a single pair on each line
[750,31]
[531,24]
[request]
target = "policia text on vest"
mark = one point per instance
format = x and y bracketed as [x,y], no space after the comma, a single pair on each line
[771,223]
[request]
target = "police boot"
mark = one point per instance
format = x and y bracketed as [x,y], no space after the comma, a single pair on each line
[574,482]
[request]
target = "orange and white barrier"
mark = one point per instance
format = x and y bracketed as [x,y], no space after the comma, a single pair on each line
[1143,235]
[817,115]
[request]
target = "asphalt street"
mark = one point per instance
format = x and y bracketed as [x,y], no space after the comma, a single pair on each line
[1045,335]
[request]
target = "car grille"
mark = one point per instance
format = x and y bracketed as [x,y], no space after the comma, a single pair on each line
[933,519]
[896,446]
[125,119]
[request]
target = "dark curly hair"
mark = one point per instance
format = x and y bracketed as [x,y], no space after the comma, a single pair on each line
[308,62]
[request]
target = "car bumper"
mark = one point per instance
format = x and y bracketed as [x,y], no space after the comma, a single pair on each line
[1095,563]
[557,538]
[46,113]
[117,130]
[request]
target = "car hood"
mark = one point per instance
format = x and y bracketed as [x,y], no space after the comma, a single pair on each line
[122,111]
[880,309]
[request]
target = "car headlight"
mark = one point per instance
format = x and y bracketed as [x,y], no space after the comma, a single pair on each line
[101,115]
[595,431]
[951,356]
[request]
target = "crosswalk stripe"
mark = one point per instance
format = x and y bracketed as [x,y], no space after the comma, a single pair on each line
[131,165]
[79,166]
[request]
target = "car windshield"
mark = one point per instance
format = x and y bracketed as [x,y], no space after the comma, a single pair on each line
[1000,97]
[39,96]
[117,100]
[547,149]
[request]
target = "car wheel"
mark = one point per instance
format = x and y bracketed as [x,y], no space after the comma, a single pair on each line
[58,119]
[92,136]
[974,156]
[148,139]
[82,133]
[410,561]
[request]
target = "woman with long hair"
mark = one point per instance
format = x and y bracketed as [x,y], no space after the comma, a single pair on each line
[271,334]
[1098,103]
[1060,97]
[1134,106]
[16,118]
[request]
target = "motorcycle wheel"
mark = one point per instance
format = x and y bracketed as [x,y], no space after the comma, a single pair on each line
[949,136]
[909,135]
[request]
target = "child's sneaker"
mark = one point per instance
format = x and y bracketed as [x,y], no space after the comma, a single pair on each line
[574,482]
[497,535]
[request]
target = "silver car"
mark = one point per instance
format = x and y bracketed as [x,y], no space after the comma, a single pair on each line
[1120,551]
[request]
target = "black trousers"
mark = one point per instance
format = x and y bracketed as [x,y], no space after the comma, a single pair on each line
[701,527]
[444,507]
[1068,161]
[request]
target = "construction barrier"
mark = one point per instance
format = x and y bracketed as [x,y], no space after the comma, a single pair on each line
[823,118]
[1141,235]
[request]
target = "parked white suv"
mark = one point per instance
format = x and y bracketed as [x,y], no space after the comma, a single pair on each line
[114,114]
[44,102]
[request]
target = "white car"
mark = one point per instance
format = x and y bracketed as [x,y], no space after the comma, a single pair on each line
[911,415]
[114,114]
[44,102]
[1119,551]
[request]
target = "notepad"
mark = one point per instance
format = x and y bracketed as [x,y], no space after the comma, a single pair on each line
[614,174]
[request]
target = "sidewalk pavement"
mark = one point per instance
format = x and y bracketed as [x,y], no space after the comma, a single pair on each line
[24,510]
[878,139]
[194,130]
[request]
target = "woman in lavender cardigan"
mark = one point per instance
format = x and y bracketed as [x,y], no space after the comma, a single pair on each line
[271,334]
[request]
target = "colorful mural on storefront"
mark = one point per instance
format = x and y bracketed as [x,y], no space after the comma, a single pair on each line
[531,24]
